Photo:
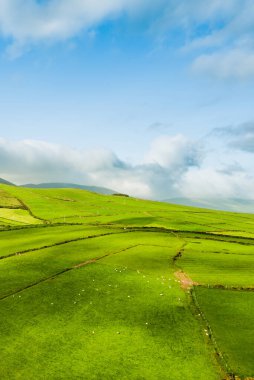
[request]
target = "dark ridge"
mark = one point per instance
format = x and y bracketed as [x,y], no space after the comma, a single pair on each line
[60,185]
[121,195]
[4,182]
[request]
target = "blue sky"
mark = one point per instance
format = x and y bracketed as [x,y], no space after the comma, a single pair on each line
[146,98]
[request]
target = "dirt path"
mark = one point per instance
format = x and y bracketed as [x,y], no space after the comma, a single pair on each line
[185,280]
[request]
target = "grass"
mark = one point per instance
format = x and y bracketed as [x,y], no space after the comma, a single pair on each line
[87,287]
[219,263]
[6,200]
[72,205]
[231,317]
[21,271]
[118,327]
[18,216]
[14,242]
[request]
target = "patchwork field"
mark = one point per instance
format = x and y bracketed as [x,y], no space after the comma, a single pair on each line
[231,319]
[110,287]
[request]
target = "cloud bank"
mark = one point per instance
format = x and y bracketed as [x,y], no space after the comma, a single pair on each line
[211,183]
[172,167]
[156,177]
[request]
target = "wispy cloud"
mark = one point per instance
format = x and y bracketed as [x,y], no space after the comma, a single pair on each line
[226,49]
[235,63]
[217,35]
[240,137]
[29,21]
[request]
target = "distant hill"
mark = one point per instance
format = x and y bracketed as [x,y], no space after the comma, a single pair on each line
[229,204]
[4,182]
[57,185]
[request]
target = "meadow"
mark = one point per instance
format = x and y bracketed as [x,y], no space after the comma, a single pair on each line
[109,287]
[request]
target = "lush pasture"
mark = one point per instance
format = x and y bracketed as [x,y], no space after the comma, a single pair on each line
[155,260]
[25,239]
[20,271]
[231,317]
[103,321]
[6,200]
[87,287]
[219,263]
[70,205]
[17,216]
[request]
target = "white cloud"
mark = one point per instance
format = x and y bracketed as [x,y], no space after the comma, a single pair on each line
[227,64]
[225,27]
[56,19]
[27,22]
[211,183]
[239,137]
[173,167]
[224,49]
[38,161]
[32,160]
[189,14]
[30,20]
[174,152]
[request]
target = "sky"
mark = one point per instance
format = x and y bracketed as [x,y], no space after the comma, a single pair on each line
[150,98]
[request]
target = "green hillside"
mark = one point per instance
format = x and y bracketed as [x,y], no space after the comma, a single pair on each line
[4,182]
[102,287]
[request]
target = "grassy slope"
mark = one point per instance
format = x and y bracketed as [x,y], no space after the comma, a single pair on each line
[62,205]
[222,263]
[108,319]
[30,239]
[32,267]
[231,315]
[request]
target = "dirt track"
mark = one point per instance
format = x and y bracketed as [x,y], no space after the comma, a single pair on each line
[185,280]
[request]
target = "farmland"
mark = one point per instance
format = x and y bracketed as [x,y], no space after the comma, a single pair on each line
[88,288]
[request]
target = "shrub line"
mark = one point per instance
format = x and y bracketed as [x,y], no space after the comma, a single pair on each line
[227,287]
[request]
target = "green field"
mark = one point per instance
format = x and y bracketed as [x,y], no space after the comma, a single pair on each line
[88,288]
[231,316]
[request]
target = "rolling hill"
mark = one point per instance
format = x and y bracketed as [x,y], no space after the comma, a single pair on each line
[57,185]
[94,286]
[4,182]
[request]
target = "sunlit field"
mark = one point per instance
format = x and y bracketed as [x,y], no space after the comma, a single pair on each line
[109,287]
